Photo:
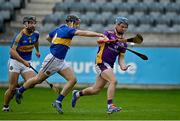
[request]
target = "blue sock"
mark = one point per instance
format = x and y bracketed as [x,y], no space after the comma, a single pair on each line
[21,89]
[60,98]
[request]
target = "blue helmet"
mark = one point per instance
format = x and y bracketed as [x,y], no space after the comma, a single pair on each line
[121,19]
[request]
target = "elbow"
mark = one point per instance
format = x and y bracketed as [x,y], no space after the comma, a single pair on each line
[11,51]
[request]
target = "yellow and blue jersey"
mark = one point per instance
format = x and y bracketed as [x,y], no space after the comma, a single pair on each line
[25,43]
[61,40]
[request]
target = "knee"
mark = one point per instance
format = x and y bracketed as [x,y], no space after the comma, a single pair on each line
[113,82]
[37,79]
[12,88]
[73,80]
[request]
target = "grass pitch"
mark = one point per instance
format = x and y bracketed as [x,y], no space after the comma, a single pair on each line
[136,104]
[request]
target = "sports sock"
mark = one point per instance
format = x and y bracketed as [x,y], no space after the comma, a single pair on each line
[21,89]
[60,98]
[109,102]
[78,94]
[6,106]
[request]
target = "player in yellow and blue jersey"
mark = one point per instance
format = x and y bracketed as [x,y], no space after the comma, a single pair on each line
[60,39]
[20,57]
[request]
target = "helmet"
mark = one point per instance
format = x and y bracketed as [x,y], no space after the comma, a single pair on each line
[29,18]
[72,18]
[121,19]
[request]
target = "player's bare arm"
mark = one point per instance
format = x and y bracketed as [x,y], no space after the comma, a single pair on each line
[49,39]
[36,45]
[122,63]
[88,33]
[15,55]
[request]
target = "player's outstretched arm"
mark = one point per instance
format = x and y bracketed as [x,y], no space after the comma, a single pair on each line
[88,33]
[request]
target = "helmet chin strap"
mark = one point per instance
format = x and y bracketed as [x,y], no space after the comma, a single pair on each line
[119,33]
[30,30]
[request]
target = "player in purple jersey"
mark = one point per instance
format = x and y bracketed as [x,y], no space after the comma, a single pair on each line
[60,39]
[20,57]
[105,59]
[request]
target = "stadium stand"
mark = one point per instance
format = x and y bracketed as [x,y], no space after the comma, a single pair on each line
[145,16]
[138,12]
[7,11]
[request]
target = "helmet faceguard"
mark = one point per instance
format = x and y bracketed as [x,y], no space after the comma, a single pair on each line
[29,19]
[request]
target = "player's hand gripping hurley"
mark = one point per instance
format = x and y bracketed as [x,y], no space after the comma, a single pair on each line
[138,39]
[56,89]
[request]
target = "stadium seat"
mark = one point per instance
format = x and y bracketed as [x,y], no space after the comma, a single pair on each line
[109,7]
[60,16]
[83,26]
[109,27]
[93,7]
[124,7]
[96,28]
[175,28]
[1,1]
[61,7]
[146,19]
[2,27]
[133,19]
[148,1]
[143,28]
[160,28]
[68,1]
[172,7]
[87,19]
[78,7]
[155,14]
[156,7]
[140,7]
[85,1]
[116,1]
[8,9]
[51,19]
[112,19]
[47,27]
[16,3]
[131,28]
[165,1]
[176,20]
[163,19]
[133,1]
[101,1]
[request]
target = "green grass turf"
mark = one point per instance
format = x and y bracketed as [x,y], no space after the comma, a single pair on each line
[136,104]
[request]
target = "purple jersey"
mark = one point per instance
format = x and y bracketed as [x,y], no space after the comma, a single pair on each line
[108,52]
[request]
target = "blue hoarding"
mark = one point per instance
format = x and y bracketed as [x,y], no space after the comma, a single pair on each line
[162,67]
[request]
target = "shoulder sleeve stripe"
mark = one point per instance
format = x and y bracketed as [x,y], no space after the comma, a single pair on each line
[18,37]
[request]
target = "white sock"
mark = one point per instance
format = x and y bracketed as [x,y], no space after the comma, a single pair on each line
[77,94]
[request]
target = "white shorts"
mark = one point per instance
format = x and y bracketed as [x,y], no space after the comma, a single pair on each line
[52,65]
[18,67]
